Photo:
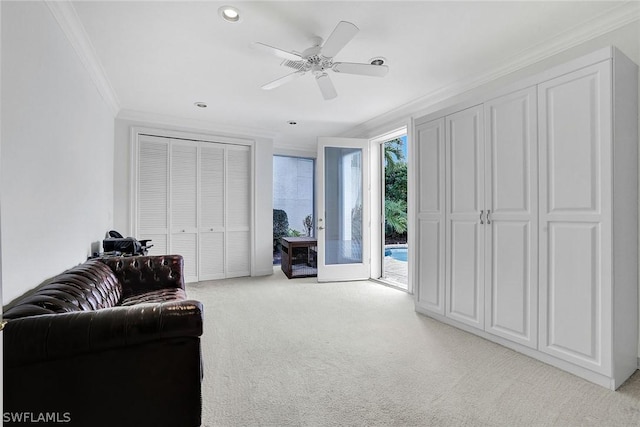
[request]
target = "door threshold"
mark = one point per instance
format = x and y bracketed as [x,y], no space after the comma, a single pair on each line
[392,284]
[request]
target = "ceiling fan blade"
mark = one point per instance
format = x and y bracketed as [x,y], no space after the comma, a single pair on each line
[360,69]
[282,80]
[277,52]
[340,36]
[326,87]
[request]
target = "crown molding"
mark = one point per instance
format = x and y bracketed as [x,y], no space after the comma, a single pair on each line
[610,20]
[68,20]
[194,124]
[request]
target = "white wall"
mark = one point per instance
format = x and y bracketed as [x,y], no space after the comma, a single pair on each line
[57,152]
[263,179]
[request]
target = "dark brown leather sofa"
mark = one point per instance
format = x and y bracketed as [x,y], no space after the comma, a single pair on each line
[111,342]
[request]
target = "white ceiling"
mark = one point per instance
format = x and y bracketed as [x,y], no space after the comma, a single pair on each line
[161,57]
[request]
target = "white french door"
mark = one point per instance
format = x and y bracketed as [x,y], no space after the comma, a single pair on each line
[343,209]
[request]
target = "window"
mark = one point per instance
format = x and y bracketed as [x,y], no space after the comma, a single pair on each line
[293,199]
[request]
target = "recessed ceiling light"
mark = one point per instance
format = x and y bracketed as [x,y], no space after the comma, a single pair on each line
[200,104]
[229,13]
[379,60]
[292,122]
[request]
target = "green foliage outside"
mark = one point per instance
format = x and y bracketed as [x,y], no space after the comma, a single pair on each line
[280,226]
[293,233]
[395,204]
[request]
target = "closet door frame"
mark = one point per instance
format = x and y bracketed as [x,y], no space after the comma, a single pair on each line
[198,138]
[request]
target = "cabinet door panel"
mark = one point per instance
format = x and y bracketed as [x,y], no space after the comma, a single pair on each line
[153,187]
[574,290]
[430,142]
[512,207]
[186,244]
[183,202]
[464,231]
[212,184]
[238,187]
[184,186]
[575,217]
[573,150]
[238,215]
[431,274]
[466,282]
[211,254]
[238,255]
[466,159]
[511,152]
[509,311]
[212,212]
[430,267]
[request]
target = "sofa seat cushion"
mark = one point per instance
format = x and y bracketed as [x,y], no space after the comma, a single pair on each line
[161,295]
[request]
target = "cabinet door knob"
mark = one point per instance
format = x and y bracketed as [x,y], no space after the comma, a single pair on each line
[481,220]
[489,217]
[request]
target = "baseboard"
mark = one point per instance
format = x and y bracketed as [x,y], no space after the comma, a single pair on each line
[576,370]
[263,272]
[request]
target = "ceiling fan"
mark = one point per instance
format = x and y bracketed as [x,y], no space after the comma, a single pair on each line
[319,58]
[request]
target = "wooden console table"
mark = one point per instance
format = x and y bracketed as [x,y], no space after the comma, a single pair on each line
[299,256]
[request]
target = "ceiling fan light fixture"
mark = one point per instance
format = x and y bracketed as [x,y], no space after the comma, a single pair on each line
[229,14]
[378,60]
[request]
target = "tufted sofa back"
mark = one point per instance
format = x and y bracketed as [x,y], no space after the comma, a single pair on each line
[88,286]
[142,274]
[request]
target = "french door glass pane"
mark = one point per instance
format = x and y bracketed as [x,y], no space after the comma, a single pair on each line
[343,205]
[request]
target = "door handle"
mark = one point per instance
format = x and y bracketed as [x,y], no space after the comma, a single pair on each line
[489,217]
[481,221]
[320,227]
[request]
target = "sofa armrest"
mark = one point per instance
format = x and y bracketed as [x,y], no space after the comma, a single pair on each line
[51,336]
[141,274]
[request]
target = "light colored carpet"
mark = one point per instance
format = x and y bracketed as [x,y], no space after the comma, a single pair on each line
[281,352]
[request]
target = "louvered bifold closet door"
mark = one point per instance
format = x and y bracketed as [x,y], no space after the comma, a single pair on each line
[238,212]
[212,207]
[184,220]
[153,193]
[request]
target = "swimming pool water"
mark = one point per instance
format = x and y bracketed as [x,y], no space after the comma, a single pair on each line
[396,253]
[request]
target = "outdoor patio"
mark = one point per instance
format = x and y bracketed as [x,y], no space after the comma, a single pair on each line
[396,272]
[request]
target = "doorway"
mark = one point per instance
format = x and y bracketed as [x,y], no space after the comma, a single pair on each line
[293,200]
[394,249]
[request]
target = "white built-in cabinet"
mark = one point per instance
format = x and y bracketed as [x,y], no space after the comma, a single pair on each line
[527,216]
[193,198]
